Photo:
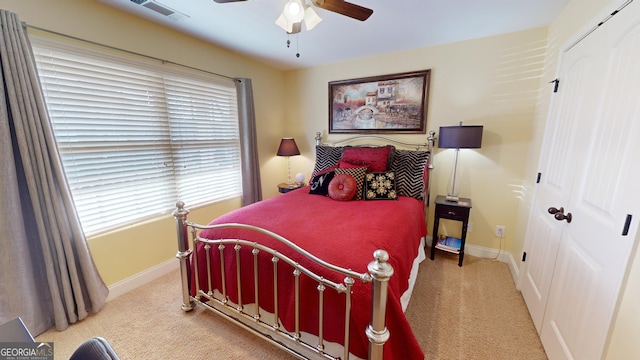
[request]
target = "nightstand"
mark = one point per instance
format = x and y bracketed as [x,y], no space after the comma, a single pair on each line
[452,210]
[284,188]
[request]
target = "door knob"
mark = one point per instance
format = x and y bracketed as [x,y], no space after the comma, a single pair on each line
[553,210]
[560,216]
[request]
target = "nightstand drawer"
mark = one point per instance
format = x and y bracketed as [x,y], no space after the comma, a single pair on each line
[453,212]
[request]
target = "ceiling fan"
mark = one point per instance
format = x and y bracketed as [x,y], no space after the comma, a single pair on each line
[338,6]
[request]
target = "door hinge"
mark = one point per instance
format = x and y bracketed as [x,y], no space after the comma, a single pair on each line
[524,256]
[555,86]
[627,224]
[538,178]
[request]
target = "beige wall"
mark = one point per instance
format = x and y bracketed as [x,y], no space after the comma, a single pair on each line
[499,82]
[491,81]
[122,254]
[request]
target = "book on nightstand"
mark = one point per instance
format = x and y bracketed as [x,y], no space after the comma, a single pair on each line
[448,243]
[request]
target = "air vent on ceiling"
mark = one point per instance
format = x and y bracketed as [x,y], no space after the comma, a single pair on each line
[161,9]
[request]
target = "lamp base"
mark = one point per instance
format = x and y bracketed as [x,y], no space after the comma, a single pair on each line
[452,187]
[452,198]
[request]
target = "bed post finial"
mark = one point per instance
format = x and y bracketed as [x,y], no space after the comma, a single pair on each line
[431,140]
[431,143]
[180,214]
[377,332]
[318,138]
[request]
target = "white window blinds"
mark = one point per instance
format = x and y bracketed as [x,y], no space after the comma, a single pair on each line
[135,136]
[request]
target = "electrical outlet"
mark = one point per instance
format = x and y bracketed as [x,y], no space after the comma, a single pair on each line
[500,230]
[470,227]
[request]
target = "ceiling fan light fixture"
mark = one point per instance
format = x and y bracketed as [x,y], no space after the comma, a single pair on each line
[294,11]
[283,23]
[311,18]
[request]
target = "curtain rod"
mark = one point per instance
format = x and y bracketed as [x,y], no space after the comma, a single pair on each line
[123,50]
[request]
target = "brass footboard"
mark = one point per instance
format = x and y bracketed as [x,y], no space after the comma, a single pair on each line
[249,315]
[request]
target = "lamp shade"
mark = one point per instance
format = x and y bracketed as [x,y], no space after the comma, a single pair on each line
[460,137]
[288,147]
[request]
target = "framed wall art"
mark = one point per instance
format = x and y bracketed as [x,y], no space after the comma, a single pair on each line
[395,103]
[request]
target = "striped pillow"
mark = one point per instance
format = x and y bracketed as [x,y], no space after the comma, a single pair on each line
[410,170]
[326,157]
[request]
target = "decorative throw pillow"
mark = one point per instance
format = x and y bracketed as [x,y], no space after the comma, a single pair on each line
[380,186]
[346,164]
[358,174]
[410,170]
[329,169]
[342,187]
[319,184]
[376,159]
[326,157]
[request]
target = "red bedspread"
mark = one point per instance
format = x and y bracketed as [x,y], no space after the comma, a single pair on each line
[342,233]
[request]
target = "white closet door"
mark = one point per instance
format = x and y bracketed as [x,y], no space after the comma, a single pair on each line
[557,172]
[572,283]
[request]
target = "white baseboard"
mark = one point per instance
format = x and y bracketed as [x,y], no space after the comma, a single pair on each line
[126,285]
[515,270]
[490,253]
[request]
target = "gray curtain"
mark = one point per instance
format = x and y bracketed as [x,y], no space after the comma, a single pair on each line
[251,185]
[47,275]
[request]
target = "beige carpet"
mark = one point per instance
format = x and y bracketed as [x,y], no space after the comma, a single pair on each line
[472,312]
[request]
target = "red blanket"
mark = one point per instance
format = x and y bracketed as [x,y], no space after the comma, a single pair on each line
[342,233]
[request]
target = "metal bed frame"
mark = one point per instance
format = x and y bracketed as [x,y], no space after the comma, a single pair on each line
[267,326]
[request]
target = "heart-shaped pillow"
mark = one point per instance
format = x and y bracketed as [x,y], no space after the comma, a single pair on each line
[342,187]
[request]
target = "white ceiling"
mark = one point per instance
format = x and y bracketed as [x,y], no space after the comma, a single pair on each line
[249,27]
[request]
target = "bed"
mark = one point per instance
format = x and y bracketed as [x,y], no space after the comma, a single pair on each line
[325,271]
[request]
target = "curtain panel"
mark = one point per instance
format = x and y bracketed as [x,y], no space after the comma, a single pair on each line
[251,184]
[47,274]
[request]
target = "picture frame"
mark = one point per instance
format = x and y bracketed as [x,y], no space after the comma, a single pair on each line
[395,103]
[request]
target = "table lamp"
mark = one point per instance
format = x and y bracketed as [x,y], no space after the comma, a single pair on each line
[458,137]
[288,148]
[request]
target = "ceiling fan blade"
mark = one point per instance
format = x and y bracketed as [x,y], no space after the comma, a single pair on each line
[347,9]
[227,1]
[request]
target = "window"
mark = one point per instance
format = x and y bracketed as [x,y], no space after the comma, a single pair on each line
[135,135]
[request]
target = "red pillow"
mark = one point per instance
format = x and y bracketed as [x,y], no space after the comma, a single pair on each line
[347,165]
[323,171]
[342,187]
[375,159]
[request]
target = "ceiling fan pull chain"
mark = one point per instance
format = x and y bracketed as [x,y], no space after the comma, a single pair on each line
[297,44]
